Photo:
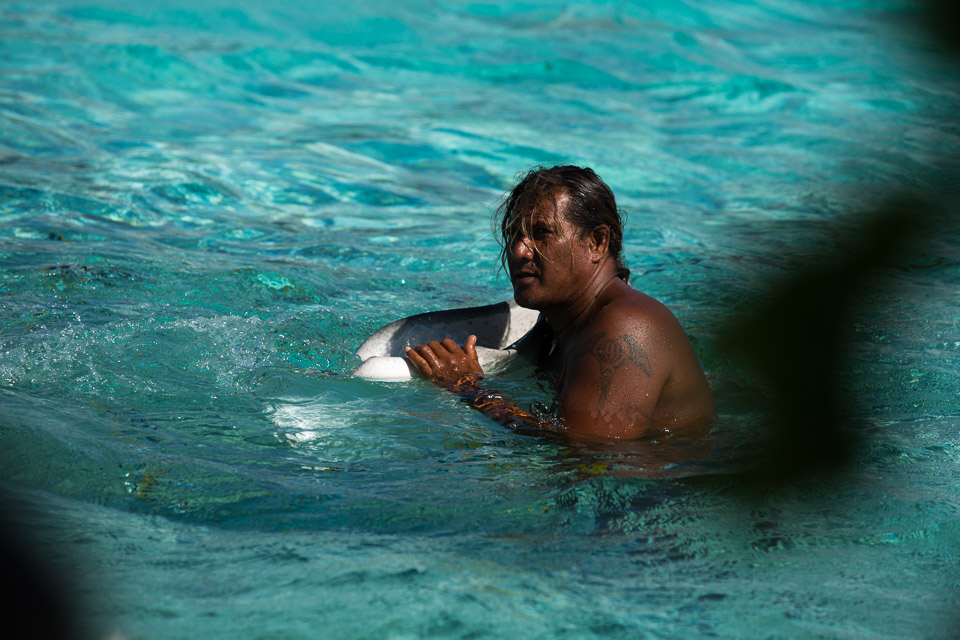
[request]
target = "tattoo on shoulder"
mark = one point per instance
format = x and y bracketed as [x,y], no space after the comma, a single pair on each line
[613,354]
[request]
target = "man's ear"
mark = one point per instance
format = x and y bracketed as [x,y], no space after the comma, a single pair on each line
[598,241]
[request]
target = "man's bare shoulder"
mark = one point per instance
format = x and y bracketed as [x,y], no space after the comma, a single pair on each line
[631,312]
[636,336]
[628,328]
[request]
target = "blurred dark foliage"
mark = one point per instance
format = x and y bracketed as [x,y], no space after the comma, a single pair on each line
[795,344]
[942,19]
[795,340]
[36,600]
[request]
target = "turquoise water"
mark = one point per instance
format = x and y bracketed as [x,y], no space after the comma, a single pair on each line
[207,206]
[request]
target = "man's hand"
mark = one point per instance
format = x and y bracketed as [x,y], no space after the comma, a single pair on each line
[446,364]
[458,369]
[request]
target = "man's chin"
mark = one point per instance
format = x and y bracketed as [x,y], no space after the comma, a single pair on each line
[525,301]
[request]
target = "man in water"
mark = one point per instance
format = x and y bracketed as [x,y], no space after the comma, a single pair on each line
[624,366]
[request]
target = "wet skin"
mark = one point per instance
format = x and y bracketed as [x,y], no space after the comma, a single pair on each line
[625,366]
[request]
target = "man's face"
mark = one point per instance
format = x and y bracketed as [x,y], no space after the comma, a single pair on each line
[549,263]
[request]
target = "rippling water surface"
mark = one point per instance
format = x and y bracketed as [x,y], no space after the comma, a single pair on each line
[206,206]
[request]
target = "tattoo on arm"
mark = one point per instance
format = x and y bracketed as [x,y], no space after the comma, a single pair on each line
[613,354]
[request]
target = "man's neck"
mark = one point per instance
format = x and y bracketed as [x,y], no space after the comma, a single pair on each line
[567,316]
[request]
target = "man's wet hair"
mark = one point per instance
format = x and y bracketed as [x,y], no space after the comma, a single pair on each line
[590,203]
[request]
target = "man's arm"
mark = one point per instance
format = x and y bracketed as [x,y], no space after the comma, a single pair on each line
[612,382]
[458,369]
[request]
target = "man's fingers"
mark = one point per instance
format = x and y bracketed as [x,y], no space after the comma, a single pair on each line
[429,353]
[421,365]
[445,363]
[437,348]
[451,346]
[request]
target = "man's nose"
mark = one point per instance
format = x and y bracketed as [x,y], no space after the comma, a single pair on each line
[522,248]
